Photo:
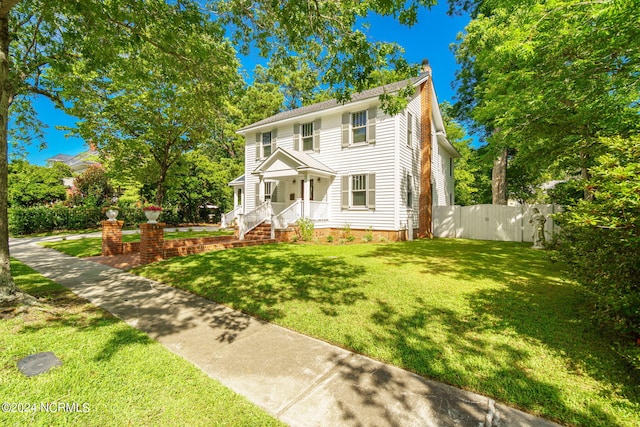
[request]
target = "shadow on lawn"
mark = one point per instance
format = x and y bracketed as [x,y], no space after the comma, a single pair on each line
[259,283]
[534,302]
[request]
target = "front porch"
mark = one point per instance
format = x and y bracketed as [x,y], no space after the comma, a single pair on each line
[286,186]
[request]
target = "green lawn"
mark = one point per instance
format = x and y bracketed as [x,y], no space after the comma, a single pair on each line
[92,246]
[123,376]
[493,317]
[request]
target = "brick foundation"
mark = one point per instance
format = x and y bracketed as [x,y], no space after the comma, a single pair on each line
[338,234]
[112,238]
[151,242]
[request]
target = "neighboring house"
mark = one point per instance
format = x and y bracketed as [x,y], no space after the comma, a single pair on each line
[349,165]
[78,163]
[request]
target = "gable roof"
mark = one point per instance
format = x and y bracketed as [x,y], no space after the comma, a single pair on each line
[321,106]
[298,161]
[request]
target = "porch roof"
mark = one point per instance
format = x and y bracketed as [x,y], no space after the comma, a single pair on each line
[238,181]
[282,163]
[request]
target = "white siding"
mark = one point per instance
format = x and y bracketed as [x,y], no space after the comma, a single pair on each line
[390,158]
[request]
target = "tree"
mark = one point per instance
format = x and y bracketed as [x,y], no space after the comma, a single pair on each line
[92,188]
[329,36]
[44,47]
[198,180]
[472,178]
[600,237]
[43,44]
[31,185]
[548,78]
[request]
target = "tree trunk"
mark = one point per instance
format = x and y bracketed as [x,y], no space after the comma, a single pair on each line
[499,179]
[584,173]
[8,290]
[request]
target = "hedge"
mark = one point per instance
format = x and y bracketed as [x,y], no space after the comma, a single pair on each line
[23,221]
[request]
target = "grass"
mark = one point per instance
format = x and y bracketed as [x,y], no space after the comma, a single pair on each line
[92,246]
[122,375]
[496,318]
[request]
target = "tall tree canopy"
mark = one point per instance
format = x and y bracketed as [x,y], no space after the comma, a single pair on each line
[548,78]
[52,49]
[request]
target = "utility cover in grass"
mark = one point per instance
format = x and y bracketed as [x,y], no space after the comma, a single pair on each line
[38,363]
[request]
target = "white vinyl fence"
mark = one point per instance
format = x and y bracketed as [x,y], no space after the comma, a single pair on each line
[491,222]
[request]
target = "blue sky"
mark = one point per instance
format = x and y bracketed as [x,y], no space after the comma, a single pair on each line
[430,38]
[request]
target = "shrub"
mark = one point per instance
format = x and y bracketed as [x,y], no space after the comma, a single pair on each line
[368,236]
[329,239]
[346,233]
[600,238]
[306,227]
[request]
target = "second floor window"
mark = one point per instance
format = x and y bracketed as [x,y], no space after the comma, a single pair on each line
[359,127]
[266,144]
[307,137]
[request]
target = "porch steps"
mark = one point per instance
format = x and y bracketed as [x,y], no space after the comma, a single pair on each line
[261,232]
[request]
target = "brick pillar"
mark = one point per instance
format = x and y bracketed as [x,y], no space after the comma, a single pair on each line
[151,242]
[425,200]
[112,238]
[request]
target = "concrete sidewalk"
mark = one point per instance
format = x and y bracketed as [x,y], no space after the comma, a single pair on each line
[300,380]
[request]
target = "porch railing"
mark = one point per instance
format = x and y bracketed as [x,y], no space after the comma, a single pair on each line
[289,215]
[319,211]
[229,217]
[251,220]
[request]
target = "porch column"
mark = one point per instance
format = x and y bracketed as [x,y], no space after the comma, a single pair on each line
[306,205]
[235,197]
[260,192]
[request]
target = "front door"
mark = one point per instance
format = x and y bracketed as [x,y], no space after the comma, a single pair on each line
[302,189]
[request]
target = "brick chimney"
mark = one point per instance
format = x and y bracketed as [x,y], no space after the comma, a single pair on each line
[425,200]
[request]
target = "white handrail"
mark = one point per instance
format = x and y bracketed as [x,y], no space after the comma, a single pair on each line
[254,218]
[230,216]
[289,215]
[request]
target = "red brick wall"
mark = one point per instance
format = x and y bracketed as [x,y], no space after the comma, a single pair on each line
[112,238]
[151,242]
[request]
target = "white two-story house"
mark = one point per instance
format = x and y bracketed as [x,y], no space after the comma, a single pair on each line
[349,165]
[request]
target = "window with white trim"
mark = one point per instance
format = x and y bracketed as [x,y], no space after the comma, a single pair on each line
[359,191]
[409,191]
[266,144]
[271,191]
[307,136]
[409,129]
[359,127]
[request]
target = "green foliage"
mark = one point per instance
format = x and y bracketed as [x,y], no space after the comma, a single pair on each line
[330,239]
[346,234]
[472,169]
[306,227]
[567,193]
[368,235]
[547,78]
[197,181]
[328,39]
[600,238]
[31,185]
[92,188]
